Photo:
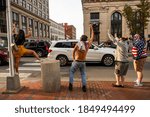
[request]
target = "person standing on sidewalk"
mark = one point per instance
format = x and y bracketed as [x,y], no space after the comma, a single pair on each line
[139,58]
[79,57]
[19,41]
[148,45]
[121,59]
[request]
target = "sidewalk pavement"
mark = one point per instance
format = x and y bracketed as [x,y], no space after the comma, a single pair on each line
[96,90]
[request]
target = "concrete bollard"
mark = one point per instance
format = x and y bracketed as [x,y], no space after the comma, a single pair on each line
[50,74]
[13,85]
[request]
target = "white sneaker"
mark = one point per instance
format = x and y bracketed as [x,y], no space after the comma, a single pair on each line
[136,81]
[39,61]
[17,74]
[138,85]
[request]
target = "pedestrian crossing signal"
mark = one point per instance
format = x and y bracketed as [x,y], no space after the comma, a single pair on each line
[2,5]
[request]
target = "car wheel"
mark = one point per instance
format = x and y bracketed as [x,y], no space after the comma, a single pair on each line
[40,53]
[108,60]
[63,60]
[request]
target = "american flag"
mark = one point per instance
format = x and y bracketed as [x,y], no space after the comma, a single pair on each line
[139,50]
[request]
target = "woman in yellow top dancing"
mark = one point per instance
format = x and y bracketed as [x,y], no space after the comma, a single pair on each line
[19,41]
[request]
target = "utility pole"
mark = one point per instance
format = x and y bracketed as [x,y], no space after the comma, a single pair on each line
[9,38]
[13,81]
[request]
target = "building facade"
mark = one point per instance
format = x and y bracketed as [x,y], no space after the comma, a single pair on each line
[56,31]
[107,15]
[70,31]
[26,14]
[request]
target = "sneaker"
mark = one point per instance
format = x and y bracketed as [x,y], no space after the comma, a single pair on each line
[84,88]
[70,87]
[138,85]
[17,74]
[39,61]
[136,81]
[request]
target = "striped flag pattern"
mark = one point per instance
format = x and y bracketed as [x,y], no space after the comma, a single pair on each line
[139,50]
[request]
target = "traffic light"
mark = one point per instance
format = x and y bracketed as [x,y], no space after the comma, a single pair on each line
[2,5]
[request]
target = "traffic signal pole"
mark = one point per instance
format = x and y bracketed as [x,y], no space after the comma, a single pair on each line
[9,38]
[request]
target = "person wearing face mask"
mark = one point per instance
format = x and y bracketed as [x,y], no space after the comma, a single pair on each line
[19,41]
[139,58]
[121,59]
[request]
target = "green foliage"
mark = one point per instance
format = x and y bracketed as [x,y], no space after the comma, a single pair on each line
[137,19]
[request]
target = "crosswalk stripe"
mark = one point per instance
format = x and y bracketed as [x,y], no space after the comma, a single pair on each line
[21,75]
[29,69]
[32,64]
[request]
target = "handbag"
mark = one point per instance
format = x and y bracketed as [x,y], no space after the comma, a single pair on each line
[14,47]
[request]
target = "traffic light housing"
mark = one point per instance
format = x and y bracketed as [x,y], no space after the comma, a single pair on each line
[2,5]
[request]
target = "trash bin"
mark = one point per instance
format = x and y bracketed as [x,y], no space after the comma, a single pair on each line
[50,74]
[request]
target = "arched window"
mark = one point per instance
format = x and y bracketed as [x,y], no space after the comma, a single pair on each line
[116,24]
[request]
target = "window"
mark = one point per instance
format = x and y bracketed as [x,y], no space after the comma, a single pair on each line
[36,28]
[35,2]
[73,44]
[35,10]
[31,25]
[41,30]
[92,47]
[24,24]
[40,5]
[63,45]
[94,15]
[40,13]
[44,33]
[15,20]
[41,44]
[23,3]
[48,35]
[116,24]
[29,7]
[31,44]
[3,27]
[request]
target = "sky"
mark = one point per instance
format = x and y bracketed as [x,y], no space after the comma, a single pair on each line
[67,11]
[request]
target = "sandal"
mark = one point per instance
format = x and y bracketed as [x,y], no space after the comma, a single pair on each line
[114,85]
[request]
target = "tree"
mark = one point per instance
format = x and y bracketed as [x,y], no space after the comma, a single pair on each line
[129,16]
[144,11]
[137,19]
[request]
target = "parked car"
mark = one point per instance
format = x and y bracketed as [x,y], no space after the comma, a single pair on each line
[3,55]
[62,50]
[40,47]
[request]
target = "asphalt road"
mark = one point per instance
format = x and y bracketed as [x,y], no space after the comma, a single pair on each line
[95,72]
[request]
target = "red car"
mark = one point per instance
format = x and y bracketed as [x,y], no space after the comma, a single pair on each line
[3,55]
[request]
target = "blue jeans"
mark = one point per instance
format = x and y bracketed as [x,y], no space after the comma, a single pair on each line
[74,67]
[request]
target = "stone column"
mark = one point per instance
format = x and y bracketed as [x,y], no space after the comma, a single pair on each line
[50,74]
